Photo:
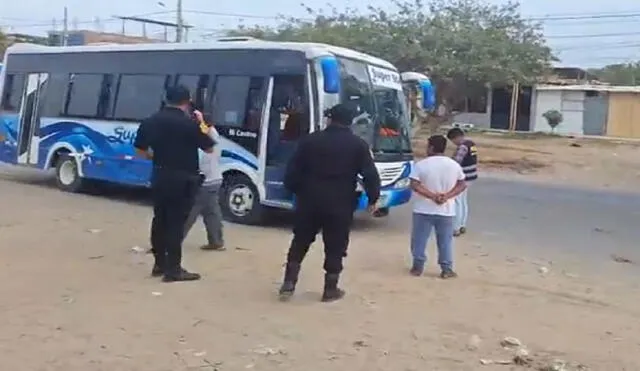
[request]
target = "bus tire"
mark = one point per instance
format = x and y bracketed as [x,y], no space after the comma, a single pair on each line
[68,177]
[240,200]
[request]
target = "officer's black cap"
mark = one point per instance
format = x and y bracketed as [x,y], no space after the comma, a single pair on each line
[340,114]
[178,94]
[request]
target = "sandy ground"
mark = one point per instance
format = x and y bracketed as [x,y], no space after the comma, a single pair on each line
[77,297]
[588,162]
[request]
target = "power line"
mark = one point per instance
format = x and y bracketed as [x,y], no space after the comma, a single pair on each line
[547,18]
[624,59]
[111,19]
[610,16]
[621,45]
[241,15]
[571,14]
[589,36]
[589,22]
[581,17]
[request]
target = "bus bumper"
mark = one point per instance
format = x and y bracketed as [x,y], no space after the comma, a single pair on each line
[388,198]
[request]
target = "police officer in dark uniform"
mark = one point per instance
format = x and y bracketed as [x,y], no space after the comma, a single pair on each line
[171,138]
[323,175]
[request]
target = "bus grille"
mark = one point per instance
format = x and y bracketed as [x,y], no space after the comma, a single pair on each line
[389,174]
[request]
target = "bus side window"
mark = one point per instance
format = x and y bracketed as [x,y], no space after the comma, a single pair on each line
[107,92]
[255,102]
[230,100]
[12,92]
[290,100]
[198,86]
[55,95]
[139,96]
[83,95]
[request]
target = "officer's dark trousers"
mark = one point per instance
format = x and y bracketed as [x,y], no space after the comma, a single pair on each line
[173,197]
[335,226]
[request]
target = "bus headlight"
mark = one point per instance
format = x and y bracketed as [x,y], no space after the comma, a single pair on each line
[402,183]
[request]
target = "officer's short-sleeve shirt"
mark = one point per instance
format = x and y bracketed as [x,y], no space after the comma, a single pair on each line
[174,139]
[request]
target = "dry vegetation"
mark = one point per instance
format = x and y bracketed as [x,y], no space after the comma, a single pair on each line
[581,161]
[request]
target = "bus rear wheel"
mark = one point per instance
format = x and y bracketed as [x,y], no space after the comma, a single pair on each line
[68,177]
[240,200]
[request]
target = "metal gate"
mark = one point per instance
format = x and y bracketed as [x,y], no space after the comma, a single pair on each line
[596,109]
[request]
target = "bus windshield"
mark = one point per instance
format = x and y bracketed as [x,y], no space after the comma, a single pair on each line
[376,95]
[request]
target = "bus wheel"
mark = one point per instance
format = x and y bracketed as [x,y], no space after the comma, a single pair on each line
[68,178]
[240,200]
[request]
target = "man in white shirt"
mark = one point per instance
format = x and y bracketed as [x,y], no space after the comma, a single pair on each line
[436,180]
[207,203]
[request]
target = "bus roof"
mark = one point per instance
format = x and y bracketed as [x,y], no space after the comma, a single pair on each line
[311,50]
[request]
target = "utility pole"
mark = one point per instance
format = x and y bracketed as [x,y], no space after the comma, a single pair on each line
[179,22]
[65,27]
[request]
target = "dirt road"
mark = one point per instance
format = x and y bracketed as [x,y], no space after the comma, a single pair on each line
[77,297]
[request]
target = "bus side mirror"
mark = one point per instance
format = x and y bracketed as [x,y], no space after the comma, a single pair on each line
[330,74]
[428,95]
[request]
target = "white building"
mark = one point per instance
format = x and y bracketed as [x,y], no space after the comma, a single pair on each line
[588,109]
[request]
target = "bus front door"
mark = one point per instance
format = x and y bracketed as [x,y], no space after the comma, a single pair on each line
[276,162]
[29,119]
[288,121]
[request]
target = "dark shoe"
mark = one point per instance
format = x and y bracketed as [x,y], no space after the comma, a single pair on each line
[182,275]
[416,271]
[157,271]
[288,287]
[446,274]
[212,247]
[331,291]
[381,213]
[457,233]
[463,230]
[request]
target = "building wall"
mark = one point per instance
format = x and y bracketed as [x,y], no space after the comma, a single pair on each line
[478,120]
[84,37]
[543,101]
[624,115]
[570,103]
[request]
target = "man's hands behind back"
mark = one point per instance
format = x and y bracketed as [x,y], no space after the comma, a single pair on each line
[440,198]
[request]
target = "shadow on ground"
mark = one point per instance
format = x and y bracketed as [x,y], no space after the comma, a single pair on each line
[277,219]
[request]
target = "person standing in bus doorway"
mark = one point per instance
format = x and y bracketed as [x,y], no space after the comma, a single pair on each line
[207,203]
[322,175]
[467,156]
[436,180]
[171,138]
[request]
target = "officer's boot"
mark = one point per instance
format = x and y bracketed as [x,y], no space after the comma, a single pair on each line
[290,280]
[331,290]
[158,265]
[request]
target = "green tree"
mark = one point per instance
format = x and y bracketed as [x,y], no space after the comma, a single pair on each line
[619,74]
[4,44]
[464,44]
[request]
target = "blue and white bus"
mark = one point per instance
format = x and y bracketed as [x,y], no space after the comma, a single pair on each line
[77,109]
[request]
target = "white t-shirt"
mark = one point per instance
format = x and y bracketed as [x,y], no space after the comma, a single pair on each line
[438,174]
[210,162]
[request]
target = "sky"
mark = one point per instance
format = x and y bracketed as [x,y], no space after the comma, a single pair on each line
[587,33]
